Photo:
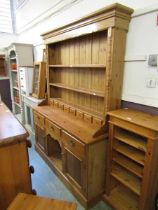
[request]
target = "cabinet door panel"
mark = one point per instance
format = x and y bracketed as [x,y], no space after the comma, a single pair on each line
[40,137]
[39,120]
[75,170]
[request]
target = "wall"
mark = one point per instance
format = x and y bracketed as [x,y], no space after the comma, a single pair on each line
[142,38]
[6,39]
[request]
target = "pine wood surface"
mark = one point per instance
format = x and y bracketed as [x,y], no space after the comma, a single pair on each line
[122,199]
[78,128]
[85,72]
[14,162]
[103,14]
[10,127]
[39,80]
[136,117]
[31,202]
[132,160]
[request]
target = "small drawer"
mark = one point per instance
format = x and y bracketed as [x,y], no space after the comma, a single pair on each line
[73,144]
[39,120]
[53,130]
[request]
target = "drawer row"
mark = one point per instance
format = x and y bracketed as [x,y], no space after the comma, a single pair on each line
[73,144]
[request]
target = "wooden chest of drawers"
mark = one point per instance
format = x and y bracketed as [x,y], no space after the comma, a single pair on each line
[14,161]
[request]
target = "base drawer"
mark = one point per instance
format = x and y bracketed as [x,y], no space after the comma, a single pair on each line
[73,144]
[53,130]
[39,120]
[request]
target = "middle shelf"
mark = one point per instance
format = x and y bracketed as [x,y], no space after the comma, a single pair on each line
[126,178]
[81,90]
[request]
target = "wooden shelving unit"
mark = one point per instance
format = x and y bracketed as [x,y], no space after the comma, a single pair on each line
[84,80]
[39,80]
[3,65]
[132,160]
[19,55]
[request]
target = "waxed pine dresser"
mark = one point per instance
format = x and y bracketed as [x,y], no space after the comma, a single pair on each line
[85,70]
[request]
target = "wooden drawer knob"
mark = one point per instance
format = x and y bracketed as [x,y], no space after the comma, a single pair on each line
[72,143]
[32,170]
[34,192]
[52,128]
[28,143]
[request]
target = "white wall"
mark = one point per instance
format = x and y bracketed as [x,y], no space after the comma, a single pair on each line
[142,40]
[6,39]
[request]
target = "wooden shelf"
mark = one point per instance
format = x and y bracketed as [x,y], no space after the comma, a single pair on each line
[81,90]
[13,58]
[131,153]
[17,104]
[16,88]
[57,162]
[122,199]
[131,139]
[129,165]
[126,178]
[14,71]
[80,66]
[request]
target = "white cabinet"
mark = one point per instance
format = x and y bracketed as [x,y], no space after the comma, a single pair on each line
[19,55]
[26,80]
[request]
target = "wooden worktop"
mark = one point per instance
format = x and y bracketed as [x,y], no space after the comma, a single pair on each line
[137,117]
[10,128]
[31,202]
[77,127]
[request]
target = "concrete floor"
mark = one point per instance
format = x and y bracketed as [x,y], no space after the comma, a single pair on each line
[47,184]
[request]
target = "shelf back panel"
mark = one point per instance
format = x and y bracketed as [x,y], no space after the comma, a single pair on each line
[88,49]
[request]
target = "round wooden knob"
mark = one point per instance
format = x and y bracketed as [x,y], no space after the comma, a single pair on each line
[32,170]
[34,192]
[28,143]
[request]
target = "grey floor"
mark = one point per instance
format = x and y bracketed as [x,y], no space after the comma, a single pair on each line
[47,184]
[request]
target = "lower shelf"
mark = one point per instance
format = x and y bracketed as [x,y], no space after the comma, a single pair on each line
[56,161]
[122,199]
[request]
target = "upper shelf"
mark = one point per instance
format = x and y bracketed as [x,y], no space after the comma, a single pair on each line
[13,58]
[14,70]
[81,90]
[80,66]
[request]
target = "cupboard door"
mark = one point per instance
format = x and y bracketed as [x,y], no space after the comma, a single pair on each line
[40,137]
[75,170]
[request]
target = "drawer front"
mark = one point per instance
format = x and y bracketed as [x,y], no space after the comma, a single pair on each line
[73,144]
[53,130]
[39,120]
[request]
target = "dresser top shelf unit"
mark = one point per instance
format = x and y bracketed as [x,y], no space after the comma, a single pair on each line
[83,70]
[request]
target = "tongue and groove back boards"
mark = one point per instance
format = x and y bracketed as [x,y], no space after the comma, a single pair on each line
[85,60]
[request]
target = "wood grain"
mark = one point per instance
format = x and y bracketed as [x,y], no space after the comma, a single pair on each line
[14,162]
[31,202]
[10,128]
